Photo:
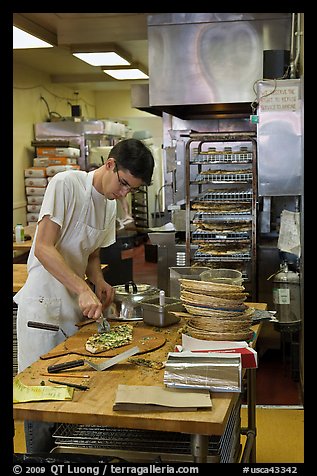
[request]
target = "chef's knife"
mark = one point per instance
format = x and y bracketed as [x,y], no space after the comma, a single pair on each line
[104,365]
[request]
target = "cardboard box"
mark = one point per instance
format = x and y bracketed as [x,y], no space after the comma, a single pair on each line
[35,182]
[35,190]
[34,199]
[32,217]
[57,152]
[54,169]
[40,162]
[249,357]
[33,208]
[35,172]
[62,161]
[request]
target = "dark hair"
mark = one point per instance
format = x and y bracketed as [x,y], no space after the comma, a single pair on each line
[134,156]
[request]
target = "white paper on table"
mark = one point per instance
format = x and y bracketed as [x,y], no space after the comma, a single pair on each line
[191,343]
[249,357]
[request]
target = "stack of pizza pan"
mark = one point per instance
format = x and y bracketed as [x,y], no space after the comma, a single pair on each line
[216,311]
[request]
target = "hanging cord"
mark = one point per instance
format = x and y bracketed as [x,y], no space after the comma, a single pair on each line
[157,207]
[255,103]
[50,113]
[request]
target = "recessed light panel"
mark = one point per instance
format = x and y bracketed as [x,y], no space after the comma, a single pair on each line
[122,74]
[109,58]
[23,40]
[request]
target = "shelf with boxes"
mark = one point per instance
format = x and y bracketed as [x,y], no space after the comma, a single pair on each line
[84,136]
[47,162]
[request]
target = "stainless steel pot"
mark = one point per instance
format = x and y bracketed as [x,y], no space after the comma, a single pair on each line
[128,299]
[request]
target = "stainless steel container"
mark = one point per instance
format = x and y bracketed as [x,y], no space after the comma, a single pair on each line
[158,314]
[186,272]
[128,299]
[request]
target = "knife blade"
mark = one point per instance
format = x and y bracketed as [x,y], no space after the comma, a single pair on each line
[103,325]
[100,367]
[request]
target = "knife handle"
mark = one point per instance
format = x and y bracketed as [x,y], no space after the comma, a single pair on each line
[65,365]
[43,325]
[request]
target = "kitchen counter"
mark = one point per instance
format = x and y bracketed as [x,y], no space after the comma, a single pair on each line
[94,406]
[19,276]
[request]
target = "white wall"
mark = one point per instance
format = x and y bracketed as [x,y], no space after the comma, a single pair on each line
[29,85]
[28,109]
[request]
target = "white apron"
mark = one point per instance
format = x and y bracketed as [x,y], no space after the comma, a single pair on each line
[44,299]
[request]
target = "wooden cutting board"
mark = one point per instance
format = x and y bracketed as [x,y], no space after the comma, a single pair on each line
[145,339]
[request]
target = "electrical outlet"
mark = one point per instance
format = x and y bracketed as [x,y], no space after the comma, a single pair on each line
[254,119]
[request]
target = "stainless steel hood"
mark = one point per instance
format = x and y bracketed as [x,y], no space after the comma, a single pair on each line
[206,65]
[140,100]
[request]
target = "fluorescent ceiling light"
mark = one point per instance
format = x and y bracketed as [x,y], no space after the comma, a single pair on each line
[23,40]
[126,73]
[109,58]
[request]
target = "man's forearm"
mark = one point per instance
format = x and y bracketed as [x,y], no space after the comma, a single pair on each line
[93,270]
[55,264]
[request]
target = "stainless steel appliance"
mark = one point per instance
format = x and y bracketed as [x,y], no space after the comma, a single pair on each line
[204,71]
[206,76]
[210,58]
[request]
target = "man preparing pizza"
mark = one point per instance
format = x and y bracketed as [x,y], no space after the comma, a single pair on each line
[77,217]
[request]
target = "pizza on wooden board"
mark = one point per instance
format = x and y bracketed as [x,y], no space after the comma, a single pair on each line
[116,337]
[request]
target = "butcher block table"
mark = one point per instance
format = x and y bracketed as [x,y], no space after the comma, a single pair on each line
[20,274]
[94,406]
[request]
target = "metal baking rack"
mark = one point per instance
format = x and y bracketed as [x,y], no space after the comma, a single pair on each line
[230,237]
[222,158]
[221,196]
[208,217]
[200,256]
[222,178]
[221,169]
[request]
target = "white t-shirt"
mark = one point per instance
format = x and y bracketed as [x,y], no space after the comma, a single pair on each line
[63,202]
[87,221]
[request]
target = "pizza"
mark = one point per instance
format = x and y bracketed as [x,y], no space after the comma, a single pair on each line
[116,337]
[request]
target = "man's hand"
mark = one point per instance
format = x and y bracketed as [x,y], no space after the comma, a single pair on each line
[90,305]
[104,292]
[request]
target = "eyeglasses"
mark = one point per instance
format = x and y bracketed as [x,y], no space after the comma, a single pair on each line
[124,183]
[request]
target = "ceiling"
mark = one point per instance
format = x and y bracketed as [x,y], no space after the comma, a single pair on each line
[68,30]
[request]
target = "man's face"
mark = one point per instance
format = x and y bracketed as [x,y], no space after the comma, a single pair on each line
[118,183]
